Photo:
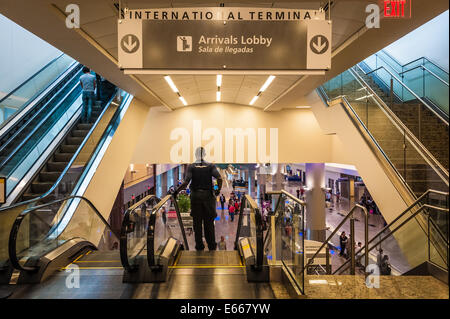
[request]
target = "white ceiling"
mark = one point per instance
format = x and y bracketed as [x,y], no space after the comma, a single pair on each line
[95,45]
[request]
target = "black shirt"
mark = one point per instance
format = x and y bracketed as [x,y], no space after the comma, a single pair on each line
[200,175]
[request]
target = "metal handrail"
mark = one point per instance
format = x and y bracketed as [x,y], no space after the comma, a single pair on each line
[4,145]
[151,230]
[425,68]
[123,233]
[366,237]
[404,65]
[408,209]
[12,244]
[74,157]
[32,77]
[398,181]
[408,89]
[402,128]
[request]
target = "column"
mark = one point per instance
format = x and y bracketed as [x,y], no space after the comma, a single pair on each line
[261,189]
[251,182]
[164,184]
[315,201]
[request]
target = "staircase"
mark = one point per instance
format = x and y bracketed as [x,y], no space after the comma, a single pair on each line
[421,121]
[58,161]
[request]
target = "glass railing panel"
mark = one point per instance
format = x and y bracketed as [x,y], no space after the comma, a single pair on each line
[436,91]
[164,224]
[396,139]
[45,228]
[136,229]
[36,84]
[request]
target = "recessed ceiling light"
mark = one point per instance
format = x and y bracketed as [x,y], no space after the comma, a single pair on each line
[183,100]
[267,83]
[303,107]
[254,99]
[171,84]
[219,80]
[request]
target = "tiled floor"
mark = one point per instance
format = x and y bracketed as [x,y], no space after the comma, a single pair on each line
[390,287]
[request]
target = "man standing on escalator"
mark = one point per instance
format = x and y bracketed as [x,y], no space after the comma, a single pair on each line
[203,198]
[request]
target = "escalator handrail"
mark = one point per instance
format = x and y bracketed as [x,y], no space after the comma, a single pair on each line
[407,88]
[12,244]
[435,164]
[123,233]
[151,230]
[32,77]
[36,98]
[38,125]
[259,229]
[72,160]
[388,226]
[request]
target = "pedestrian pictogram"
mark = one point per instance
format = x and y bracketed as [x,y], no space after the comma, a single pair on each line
[319,44]
[129,43]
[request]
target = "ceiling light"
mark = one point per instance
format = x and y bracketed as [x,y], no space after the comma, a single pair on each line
[254,99]
[183,100]
[219,80]
[303,107]
[267,83]
[218,96]
[171,84]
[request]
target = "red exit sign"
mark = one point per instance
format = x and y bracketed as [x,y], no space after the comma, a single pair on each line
[397,8]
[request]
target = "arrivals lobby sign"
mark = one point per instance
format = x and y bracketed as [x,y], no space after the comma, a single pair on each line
[229,40]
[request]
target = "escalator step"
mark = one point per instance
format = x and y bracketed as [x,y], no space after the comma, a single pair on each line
[75,140]
[49,176]
[40,187]
[68,148]
[79,133]
[62,157]
[82,126]
[56,166]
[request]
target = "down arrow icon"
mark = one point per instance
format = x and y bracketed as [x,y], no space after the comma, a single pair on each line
[129,43]
[319,44]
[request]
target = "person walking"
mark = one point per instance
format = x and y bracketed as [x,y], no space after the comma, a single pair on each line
[203,198]
[222,201]
[88,84]
[343,239]
[231,210]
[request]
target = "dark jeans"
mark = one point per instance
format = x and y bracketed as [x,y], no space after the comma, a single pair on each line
[88,101]
[203,212]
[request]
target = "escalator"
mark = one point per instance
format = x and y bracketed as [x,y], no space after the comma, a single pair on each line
[151,251]
[46,219]
[26,143]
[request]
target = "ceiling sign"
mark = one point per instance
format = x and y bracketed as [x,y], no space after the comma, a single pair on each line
[229,40]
